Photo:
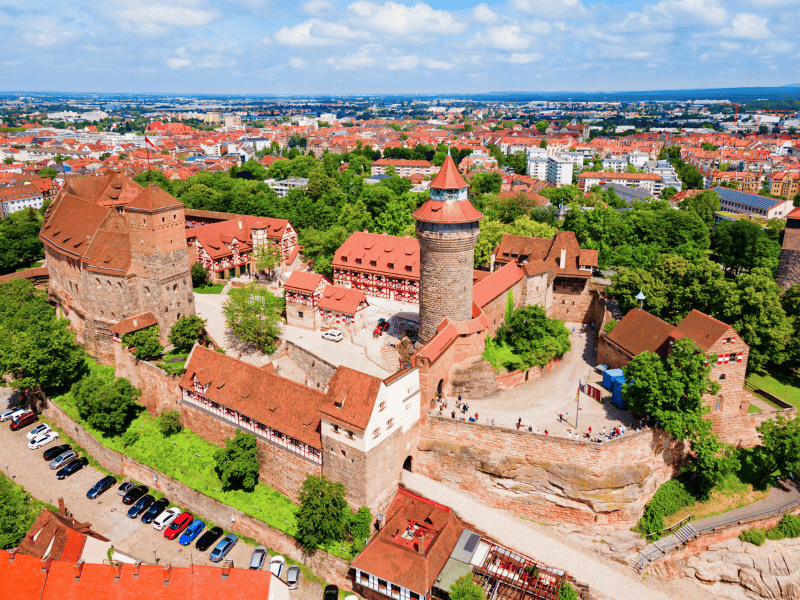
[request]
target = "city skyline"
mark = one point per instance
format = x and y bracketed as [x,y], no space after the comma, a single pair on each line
[324,46]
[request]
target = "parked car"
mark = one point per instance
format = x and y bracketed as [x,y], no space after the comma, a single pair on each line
[258,558]
[293,577]
[51,453]
[72,467]
[125,487]
[333,335]
[11,413]
[208,539]
[166,518]
[141,505]
[42,440]
[38,430]
[102,486]
[23,420]
[331,593]
[276,566]
[221,549]
[62,459]
[156,508]
[134,494]
[191,533]
[177,526]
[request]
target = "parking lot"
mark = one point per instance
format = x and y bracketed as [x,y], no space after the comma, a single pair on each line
[107,514]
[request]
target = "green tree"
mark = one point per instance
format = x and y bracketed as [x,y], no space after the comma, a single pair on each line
[395,218]
[534,337]
[267,258]
[704,204]
[20,245]
[322,515]
[790,302]
[668,192]
[541,126]
[48,172]
[464,588]
[199,275]
[8,160]
[105,405]
[780,447]
[743,245]
[146,178]
[360,525]
[144,342]
[485,183]
[18,511]
[252,314]
[509,305]
[626,285]
[169,422]
[185,332]
[567,592]
[237,462]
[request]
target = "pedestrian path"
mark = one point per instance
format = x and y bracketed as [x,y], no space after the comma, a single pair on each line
[514,532]
[780,499]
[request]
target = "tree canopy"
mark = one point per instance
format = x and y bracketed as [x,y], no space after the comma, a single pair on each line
[252,314]
[464,588]
[105,405]
[144,342]
[323,513]
[186,332]
[237,462]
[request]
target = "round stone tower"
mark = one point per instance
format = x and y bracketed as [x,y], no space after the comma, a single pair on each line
[789,265]
[447,229]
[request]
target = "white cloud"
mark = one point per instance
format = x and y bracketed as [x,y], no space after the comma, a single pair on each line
[507,37]
[524,59]
[483,14]
[177,63]
[297,62]
[569,9]
[691,11]
[747,26]
[315,7]
[398,19]
[300,35]
[155,18]
[401,63]
[538,27]
[436,64]
[367,56]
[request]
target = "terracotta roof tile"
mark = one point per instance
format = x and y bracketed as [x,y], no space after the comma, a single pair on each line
[153,198]
[435,211]
[496,284]
[703,329]
[343,300]
[639,331]
[384,250]
[303,281]
[448,177]
[356,392]
[134,323]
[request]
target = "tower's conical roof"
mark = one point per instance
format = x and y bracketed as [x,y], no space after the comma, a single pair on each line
[448,177]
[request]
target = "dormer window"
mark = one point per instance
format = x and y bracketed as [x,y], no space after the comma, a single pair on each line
[337,404]
[373,263]
[382,406]
[358,261]
[390,265]
[408,268]
[344,259]
[335,428]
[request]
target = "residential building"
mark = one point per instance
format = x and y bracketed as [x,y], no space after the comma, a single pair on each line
[665,170]
[404,168]
[313,303]
[736,201]
[379,265]
[19,197]
[648,181]
[789,264]
[302,293]
[284,186]
[780,184]
[60,537]
[553,169]
[628,194]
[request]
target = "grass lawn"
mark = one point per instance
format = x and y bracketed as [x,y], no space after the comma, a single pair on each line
[498,355]
[729,494]
[189,458]
[209,289]
[753,409]
[777,382]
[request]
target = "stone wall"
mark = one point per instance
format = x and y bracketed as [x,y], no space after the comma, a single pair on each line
[508,381]
[550,479]
[319,371]
[495,310]
[159,389]
[789,268]
[331,568]
[740,429]
[611,355]
[308,320]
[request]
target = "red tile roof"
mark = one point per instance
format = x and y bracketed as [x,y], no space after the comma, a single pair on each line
[795,214]
[435,211]
[57,536]
[384,250]
[153,198]
[303,281]
[701,328]
[215,238]
[356,392]
[27,578]
[134,323]
[343,300]
[26,274]
[394,553]
[496,284]
[448,177]
[639,331]
[516,248]
[275,401]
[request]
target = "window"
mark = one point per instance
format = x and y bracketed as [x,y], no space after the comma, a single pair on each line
[350,434]
[300,314]
[389,423]
[364,577]
[358,261]
[382,406]
[373,263]
[335,428]
[721,377]
[344,259]
[344,454]
[376,432]
[390,265]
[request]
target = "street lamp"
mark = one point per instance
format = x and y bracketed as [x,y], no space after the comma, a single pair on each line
[155,557]
[7,473]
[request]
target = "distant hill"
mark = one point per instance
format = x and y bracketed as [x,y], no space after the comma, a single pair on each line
[792,85]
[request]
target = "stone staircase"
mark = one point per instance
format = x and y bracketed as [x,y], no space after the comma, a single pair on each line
[662,547]
[474,378]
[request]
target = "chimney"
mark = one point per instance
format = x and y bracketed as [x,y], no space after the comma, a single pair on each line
[78,569]
[46,562]
[62,509]
[136,568]
[240,224]
[167,574]
[563,258]
[226,570]
[117,571]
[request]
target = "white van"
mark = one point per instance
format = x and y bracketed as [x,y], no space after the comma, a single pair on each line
[164,519]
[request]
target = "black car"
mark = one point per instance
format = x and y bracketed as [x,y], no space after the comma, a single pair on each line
[331,593]
[141,505]
[101,486]
[72,467]
[208,538]
[156,508]
[51,453]
[133,495]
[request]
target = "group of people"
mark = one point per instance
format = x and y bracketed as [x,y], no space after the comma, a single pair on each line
[618,431]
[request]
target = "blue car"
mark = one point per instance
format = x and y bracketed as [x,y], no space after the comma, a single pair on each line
[141,505]
[225,546]
[101,486]
[188,536]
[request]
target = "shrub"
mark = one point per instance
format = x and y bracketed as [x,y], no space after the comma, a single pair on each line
[668,499]
[567,592]
[753,536]
[186,332]
[609,326]
[237,462]
[321,517]
[360,524]
[169,422]
[199,275]
[130,437]
[105,405]
[144,342]
[789,527]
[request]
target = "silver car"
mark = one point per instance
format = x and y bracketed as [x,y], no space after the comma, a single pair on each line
[259,555]
[62,459]
[11,412]
[293,577]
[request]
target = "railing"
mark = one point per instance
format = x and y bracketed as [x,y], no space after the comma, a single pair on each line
[670,528]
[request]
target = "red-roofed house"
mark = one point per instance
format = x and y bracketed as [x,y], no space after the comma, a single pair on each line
[379,265]
[302,292]
[404,168]
[343,308]
[60,537]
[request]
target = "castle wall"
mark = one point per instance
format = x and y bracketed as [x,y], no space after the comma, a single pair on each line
[446,265]
[571,303]
[610,354]
[789,268]
[537,291]
[160,390]
[546,478]
[301,315]
[495,310]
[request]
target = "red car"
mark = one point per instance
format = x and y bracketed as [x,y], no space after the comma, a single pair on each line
[176,528]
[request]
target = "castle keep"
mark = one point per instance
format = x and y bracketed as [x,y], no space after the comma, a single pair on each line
[113,250]
[789,265]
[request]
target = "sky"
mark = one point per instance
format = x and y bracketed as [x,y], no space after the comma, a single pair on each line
[377,47]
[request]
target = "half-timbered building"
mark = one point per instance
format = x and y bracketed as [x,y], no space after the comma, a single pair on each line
[302,292]
[380,265]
